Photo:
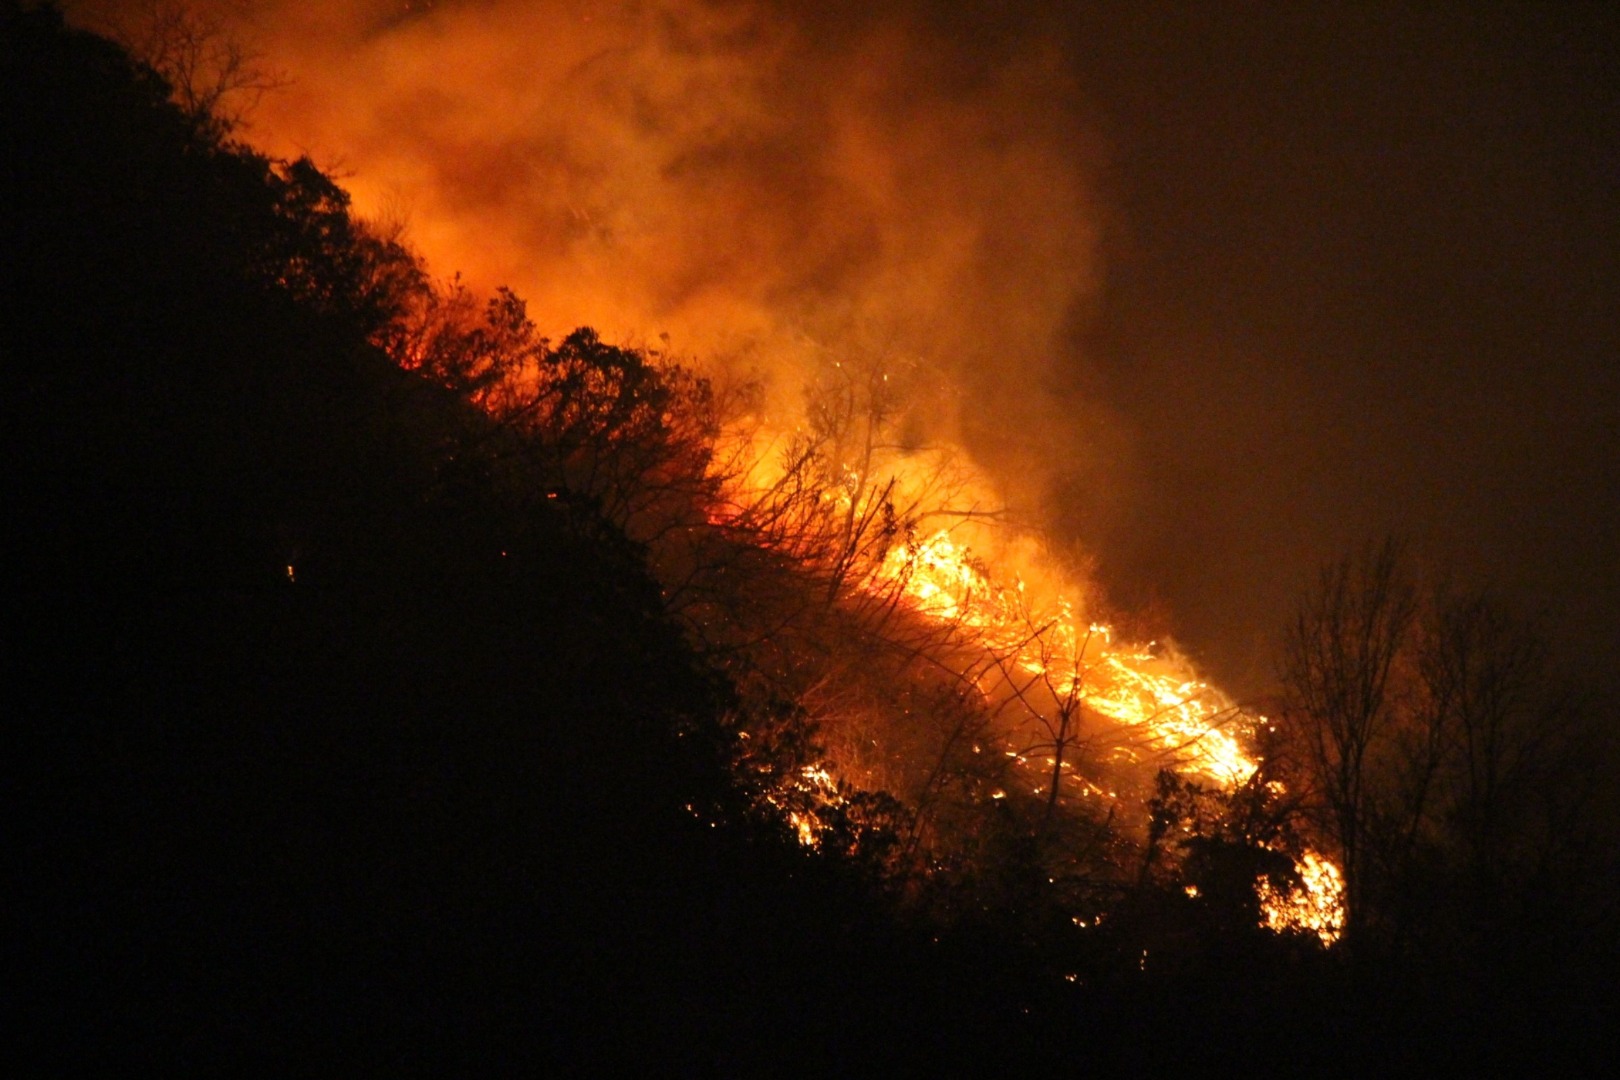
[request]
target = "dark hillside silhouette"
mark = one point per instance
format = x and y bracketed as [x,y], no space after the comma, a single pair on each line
[328,738]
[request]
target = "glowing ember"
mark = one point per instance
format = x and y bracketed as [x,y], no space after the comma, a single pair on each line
[813,789]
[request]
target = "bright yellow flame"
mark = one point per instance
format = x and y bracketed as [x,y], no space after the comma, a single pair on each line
[816,786]
[1170,711]
[1176,714]
[1314,906]
[1157,705]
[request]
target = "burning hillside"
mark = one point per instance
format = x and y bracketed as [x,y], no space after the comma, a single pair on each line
[393,662]
[872,253]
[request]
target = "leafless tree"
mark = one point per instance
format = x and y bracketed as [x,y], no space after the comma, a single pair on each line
[1519,773]
[214,77]
[1340,654]
[1444,762]
[1047,686]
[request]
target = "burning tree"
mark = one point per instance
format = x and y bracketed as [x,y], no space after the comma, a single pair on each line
[886,679]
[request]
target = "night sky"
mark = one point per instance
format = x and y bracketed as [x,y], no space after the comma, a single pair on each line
[1245,285]
[1363,280]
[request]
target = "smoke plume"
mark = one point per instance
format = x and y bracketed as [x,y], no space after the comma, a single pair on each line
[769,184]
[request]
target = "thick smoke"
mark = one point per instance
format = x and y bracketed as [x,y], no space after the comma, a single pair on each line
[770,184]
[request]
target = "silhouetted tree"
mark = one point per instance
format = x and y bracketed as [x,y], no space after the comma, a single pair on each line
[1340,657]
[215,79]
[1439,758]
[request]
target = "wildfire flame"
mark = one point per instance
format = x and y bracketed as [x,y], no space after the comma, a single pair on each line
[1156,707]
[1315,905]
[635,102]
[1177,715]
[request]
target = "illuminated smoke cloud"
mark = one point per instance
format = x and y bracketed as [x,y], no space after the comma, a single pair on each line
[767,183]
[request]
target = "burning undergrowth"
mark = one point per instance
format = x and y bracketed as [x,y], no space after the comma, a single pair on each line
[951,664]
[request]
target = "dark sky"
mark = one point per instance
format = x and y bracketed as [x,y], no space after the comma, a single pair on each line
[1361,279]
